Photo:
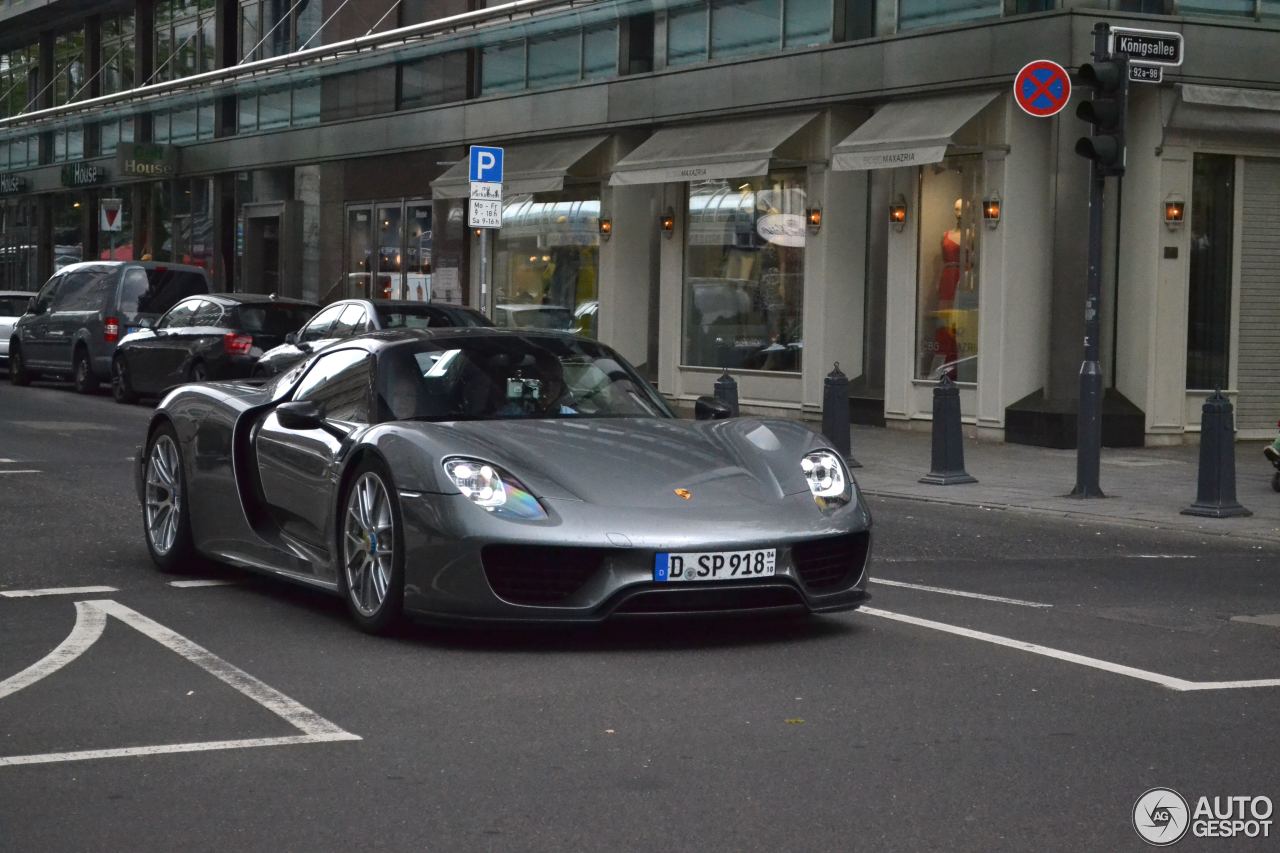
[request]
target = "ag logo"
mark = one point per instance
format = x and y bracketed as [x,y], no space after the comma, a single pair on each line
[1161,817]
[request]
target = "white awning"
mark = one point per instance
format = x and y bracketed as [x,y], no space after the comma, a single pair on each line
[531,167]
[1226,108]
[908,133]
[741,148]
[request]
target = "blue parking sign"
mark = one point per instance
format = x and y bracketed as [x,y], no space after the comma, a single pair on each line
[486,164]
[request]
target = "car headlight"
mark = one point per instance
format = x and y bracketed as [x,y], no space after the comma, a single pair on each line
[494,490]
[827,478]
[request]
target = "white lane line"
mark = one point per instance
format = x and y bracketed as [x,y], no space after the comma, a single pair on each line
[193,584]
[23,471]
[90,620]
[1162,556]
[56,590]
[88,628]
[1179,684]
[960,592]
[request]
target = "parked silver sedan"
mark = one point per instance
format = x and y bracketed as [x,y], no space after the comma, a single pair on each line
[13,304]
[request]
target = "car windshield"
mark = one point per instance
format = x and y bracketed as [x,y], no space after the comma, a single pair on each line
[166,286]
[487,377]
[271,318]
[540,318]
[14,306]
[424,316]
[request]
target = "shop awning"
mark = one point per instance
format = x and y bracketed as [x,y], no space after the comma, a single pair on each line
[532,167]
[741,148]
[1226,108]
[908,133]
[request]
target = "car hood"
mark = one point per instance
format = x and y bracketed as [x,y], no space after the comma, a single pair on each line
[639,462]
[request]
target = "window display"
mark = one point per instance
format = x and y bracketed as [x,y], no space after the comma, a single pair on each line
[947,303]
[744,273]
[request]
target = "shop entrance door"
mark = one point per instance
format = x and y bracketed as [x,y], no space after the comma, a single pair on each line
[272,249]
[1258,379]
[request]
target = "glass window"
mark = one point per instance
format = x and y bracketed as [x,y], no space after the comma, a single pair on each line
[85,291]
[208,314]
[1270,9]
[744,273]
[547,260]
[350,323]
[360,260]
[740,27]
[1209,305]
[320,326]
[180,315]
[390,259]
[434,80]
[131,293]
[808,22]
[275,319]
[554,59]
[947,295]
[502,68]
[932,13]
[1238,8]
[686,35]
[340,382]
[1022,7]
[417,251]
[600,52]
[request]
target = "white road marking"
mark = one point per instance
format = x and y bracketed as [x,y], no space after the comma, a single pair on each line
[90,620]
[1179,684]
[1162,556]
[88,628]
[56,590]
[945,591]
[23,471]
[192,584]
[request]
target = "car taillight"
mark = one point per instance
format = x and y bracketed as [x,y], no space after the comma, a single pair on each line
[236,343]
[111,330]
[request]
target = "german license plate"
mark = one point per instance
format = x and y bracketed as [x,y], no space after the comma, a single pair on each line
[131,329]
[713,565]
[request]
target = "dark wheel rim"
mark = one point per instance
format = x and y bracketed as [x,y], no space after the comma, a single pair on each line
[197,373]
[368,544]
[82,370]
[164,495]
[118,379]
[15,363]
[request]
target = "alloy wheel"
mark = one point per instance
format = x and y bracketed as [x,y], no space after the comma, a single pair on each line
[368,544]
[163,494]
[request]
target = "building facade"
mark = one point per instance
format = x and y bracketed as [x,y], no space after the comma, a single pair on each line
[767,186]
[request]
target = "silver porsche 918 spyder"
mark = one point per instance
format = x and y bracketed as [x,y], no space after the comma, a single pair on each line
[484,474]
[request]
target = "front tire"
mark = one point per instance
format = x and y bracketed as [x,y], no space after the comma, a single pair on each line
[371,546]
[121,385]
[166,521]
[82,373]
[18,373]
[1275,481]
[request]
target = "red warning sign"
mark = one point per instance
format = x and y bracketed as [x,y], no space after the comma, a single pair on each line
[110,217]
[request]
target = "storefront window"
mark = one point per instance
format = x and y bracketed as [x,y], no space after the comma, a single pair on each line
[389,250]
[554,59]
[17,79]
[417,254]
[947,295]
[744,273]
[18,245]
[360,259]
[70,221]
[931,13]
[546,261]
[1209,303]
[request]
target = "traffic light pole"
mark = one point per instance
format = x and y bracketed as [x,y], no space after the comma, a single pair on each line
[1089,415]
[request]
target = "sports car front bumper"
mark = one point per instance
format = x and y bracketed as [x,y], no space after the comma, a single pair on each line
[588,564]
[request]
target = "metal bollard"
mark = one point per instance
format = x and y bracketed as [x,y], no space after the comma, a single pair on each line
[947,467]
[727,391]
[1216,489]
[835,414]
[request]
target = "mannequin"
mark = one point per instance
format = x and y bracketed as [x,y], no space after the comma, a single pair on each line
[948,282]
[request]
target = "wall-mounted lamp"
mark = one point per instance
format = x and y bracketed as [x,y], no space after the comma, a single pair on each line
[898,213]
[813,219]
[991,210]
[606,228]
[667,222]
[1175,211]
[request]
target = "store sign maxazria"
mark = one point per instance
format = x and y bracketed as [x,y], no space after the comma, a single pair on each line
[83,174]
[146,160]
[10,184]
[889,159]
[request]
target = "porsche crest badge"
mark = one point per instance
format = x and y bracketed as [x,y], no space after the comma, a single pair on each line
[683,494]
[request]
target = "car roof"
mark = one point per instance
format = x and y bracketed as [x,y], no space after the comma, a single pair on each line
[252,299]
[17,293]
[388,338]
[148,265]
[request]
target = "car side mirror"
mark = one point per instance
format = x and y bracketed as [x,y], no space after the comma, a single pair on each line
[300,415]
[146,323]
[291,339]
[710,409]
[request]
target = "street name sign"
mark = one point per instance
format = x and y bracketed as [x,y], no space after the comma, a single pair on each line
[1149,47]
[109,218]
[1145,73]
[1042,88]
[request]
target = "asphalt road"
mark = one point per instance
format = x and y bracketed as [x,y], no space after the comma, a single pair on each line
[860,731]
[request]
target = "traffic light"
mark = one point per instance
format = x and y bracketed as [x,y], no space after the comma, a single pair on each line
[1109,80]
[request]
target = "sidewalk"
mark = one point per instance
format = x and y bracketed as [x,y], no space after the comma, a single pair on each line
[1144,486]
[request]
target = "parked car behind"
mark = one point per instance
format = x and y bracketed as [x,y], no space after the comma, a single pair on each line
[350,317]
[82,312]
[216,336]
[13,304]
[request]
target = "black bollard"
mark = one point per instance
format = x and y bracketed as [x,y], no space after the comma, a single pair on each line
[835,414]
[1216,489]
[727,391]
[948,441]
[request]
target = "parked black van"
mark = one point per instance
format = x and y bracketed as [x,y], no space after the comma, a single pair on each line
[73,324]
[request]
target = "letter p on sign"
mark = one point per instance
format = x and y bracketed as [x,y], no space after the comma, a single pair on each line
[486,164]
